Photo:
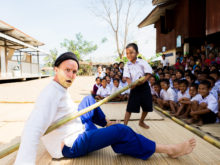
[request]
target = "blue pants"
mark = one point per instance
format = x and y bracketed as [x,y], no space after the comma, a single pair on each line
[122,138]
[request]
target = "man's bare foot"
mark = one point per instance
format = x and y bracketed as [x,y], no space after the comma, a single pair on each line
[142,124]
[181,149]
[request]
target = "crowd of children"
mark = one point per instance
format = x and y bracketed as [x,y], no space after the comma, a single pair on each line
[191,94]
[110,81]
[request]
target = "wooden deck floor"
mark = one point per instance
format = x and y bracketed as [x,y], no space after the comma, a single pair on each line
[162,130]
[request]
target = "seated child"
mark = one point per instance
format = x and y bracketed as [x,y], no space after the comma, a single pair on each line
[214,89]
[216,75]
[152,80]
[96,86]
[123,84]
[190,78]
[109,83]
[115,88]
[179,75]
[103,91]
[176,86]
[193,92]
[161,75]
[173,77]
[168,96]
[157,89]
[182,95]
[204,107]
[168,77]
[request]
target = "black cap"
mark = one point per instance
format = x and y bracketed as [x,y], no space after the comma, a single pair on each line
[66,56]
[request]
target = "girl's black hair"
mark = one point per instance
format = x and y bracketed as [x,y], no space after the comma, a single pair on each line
[134,46]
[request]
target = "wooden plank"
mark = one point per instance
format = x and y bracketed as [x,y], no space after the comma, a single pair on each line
[117,111]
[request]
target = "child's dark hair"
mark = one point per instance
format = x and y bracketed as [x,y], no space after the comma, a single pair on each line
[206,83]
[115,79]
[103,79]
[215,72]
[194,85]
[153,77]
[192,77]
[188,72]
[161,73]
[183,82]
[212,79]
[108,68]
[176,81]
[133,45]
[165,81]
[181,72]
[106,76]
[157,83]
[97,78]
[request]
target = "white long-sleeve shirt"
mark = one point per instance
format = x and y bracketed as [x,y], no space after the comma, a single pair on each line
[53,103]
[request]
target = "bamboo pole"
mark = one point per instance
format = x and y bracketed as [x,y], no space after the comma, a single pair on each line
[201,134]
[70,117]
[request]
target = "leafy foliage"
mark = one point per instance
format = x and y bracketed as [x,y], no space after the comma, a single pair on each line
[50,59]
[79,46]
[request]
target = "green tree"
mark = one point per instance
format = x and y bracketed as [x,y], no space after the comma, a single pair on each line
[79,46]
[50,59]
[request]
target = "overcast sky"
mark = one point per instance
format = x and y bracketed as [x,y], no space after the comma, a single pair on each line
[51,21]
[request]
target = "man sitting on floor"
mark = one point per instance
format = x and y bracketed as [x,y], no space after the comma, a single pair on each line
[80,136]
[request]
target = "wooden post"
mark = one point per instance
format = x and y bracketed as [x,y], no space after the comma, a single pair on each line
[6,58]
[38,62]
[20,63]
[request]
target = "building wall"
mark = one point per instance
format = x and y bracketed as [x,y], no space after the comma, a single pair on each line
[197,18]
[212,16]
[188,22]
[181,27]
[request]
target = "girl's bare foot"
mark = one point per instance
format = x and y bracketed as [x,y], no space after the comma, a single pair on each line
[181,149]
[142,124]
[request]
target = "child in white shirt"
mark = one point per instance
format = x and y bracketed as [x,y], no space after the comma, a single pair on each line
[204,106]
[115,88]
[103,91]
[168,96]
[182,95]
